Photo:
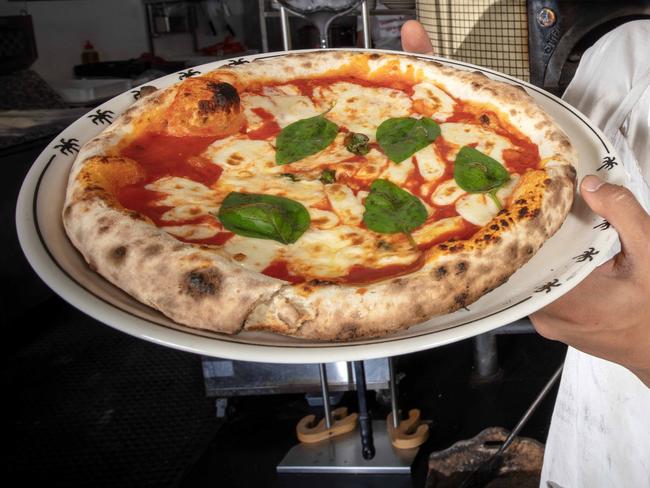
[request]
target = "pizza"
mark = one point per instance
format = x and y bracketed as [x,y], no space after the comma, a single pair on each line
[330,195]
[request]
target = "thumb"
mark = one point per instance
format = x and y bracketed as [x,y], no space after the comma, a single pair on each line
[621,209]
[415,39]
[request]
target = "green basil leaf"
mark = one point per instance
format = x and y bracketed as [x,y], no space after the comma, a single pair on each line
[304,138]
[390,210]
[264,216]
[357,143]
[476,172]
[328,176]
[402,137]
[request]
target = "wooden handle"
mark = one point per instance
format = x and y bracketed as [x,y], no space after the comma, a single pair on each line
[342,423]
[409,433]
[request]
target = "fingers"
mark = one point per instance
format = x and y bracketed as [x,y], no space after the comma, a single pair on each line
[619,207]
[415,39]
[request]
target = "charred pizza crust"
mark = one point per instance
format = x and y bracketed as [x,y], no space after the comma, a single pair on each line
[203,287]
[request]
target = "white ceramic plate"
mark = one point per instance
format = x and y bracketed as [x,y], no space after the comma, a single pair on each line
[568,257]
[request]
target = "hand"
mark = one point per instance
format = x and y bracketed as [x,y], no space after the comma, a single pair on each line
[415,39]
[608,314]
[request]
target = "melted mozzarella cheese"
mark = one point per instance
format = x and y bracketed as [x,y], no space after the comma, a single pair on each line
[375,163]
[255,254]
[181,191]
[307,192]
[432,230]
[345,204]
[447,193]
[322,219]
[239,154]
[335,153]
[477,208]
[433,101]
[431,166]
[330,253]
[360,108]
[506,190]
[286,109]
[188,212]
[398,173]
[459,134]
[192,231]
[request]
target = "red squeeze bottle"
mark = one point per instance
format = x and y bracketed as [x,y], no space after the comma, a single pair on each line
[89,55]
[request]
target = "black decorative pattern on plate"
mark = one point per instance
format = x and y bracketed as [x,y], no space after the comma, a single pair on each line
[102,116]
[548,286]
[188,74]
[604,225]
[587,255]
[68,146]
[608,163]
[236,62]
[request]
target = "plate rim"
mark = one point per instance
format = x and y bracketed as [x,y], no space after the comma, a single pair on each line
[224,346]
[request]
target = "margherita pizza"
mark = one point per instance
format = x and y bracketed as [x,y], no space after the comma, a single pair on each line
[328,195]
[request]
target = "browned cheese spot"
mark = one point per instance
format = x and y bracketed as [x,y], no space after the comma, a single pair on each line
[461,267]
[201,283]
[461,299]
[103,229]
[484,119]
[440,272]
[152,250]
[118,254]
[239,256]
[147,90]
[320,283]
[224,97]
[523,211]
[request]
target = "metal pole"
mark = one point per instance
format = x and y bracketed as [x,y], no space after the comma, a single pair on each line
[367,443]
[393,393]
[326,395]
[365,18]
[284,24]
[486,359]
[263,30]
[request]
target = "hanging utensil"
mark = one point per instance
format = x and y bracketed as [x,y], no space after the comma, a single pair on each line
[320,13]
[489,469]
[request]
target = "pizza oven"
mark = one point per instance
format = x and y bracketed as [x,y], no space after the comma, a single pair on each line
[540,41]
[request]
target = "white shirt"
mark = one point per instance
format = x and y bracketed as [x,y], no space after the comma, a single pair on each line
[600,430]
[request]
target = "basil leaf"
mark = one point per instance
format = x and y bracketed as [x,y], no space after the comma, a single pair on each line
[264,216]
[390,210]
[328,176]
[402,137]
[476,172]
[357,143]
[304,138]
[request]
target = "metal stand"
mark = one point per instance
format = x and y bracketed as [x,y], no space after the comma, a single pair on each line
[344,453]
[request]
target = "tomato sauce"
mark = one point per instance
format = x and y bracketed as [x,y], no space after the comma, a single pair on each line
[162,155]
[466,232]
[361,274]
[269,127]
[280,270]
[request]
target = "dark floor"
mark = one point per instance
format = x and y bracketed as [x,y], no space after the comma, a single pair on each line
[86,405]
